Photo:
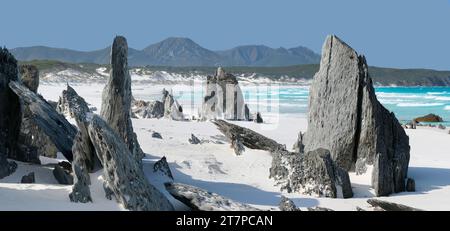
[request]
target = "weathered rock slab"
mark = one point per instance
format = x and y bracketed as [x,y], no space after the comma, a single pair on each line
[10,113]
[201,200]
[346,118]
[124,177]
[313,173]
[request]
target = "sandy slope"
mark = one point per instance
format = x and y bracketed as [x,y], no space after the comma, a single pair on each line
[213,166]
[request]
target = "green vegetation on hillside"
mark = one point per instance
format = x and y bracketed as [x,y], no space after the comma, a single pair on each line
[380,76]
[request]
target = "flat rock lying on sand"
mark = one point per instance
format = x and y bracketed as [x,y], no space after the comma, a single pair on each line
[313,173]
[10,113]
[116,98]
[201,200]
[249,138]
[194,140]
[124,177]
[390,206]
[287,204]
[28,179]
[346,118]
[50,122]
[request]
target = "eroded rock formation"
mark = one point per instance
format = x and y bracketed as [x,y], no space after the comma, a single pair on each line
[247,137]
[51,124]
[29,74]
[116,98]
[33,142]
[124,177]
[10,113]
[172,109]
[224,99]
[313,173]
[144,109]
[346,118]
[201,200]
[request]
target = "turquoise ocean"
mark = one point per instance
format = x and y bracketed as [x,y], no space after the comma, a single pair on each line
[406,102]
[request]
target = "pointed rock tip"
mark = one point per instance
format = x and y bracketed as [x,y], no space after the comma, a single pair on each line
[336,40]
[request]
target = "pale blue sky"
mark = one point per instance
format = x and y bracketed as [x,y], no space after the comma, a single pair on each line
[400,33]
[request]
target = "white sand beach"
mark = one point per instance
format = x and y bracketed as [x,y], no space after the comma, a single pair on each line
[213,165]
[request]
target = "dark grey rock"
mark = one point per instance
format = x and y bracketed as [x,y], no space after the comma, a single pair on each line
[33,142]
[319,209]
[410,185]
[299,147]
[237,146]
[346,118]
[248,137]
[53,103]
[85,159]
[313,173]
[156,135]
[66,166]
[247,114]
[29,75]
[390,206]
[82,149]
[440,126]
[10,113]
[163,167]
[429,118]
[28,179]
[224,98]
[287,205]
[143,109]
[116,98]
[62,176]
[201,200]
[259,119]
[51,123]
[194,140]
[124,177]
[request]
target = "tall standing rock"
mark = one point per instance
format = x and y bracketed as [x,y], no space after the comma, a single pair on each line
[10,113]
[224,98]
[346,118]
[116,98]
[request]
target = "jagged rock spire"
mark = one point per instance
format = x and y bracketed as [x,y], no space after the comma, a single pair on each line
[346,118]
[116,99]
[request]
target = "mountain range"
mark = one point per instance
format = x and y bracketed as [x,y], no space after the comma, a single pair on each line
[178,52]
